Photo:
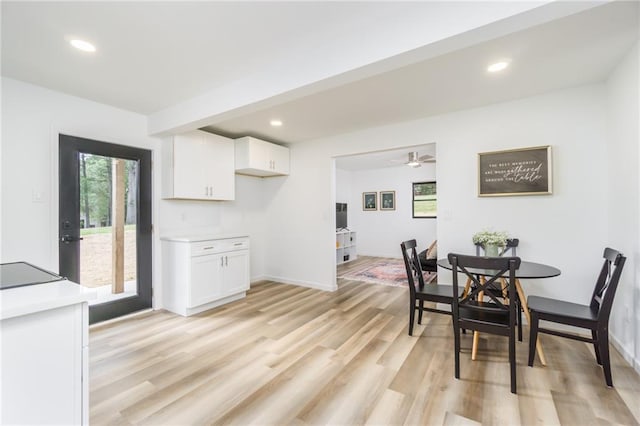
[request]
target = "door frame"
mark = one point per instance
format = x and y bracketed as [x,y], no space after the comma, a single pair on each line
[144,250]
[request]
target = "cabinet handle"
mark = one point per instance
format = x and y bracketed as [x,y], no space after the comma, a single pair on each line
[221,260]
[206,191]
[226,261]
[207,248]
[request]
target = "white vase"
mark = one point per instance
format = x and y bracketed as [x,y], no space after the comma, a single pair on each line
[491,250]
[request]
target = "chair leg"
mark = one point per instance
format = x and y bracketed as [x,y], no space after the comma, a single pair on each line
[512,359]
[412,315]
[594,335]
[519,308]
[456,349]
[603,344]
[533,337]
[420,311]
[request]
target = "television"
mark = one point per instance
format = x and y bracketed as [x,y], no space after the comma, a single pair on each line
[341,215]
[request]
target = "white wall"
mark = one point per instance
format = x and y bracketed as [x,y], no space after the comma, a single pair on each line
[380,232]
[563,229]
[32,117]
[623,137]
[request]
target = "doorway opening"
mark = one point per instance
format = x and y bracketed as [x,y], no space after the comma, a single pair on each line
[377,189]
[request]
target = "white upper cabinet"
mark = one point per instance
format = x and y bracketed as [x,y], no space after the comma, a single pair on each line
[199,166]
[255,157]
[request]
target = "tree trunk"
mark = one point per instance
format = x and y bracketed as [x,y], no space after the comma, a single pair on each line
[85,189]
[132,192]
[107,163]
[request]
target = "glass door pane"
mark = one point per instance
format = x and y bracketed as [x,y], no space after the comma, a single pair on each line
[108,214]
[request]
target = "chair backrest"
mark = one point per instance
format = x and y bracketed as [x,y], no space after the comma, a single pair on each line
[494,268]
[605,289]
[412,265]
[512,245]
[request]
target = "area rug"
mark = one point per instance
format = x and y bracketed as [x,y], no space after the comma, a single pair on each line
[386,272]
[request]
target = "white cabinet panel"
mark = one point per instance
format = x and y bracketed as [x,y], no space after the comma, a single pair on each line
[43,363]
[199,166]
[236,272]
[205,279]
[201,274]
[255,157]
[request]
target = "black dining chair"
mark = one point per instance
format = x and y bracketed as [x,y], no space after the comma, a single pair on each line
[419,292]
[471,312]
[428,258]
[594,317]
[511,248]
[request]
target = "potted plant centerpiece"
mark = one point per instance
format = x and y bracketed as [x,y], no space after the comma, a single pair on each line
[491,241]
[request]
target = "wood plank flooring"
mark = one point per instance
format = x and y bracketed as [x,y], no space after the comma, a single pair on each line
[292,355]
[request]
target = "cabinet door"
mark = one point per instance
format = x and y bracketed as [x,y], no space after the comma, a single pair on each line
[259,155]
[188,173]
[220,170]
[280,159]
[206,278]
[236,272]
[42,366]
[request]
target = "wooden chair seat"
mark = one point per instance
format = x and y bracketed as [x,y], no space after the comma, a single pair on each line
[493,317]
[561,311]
[438,293]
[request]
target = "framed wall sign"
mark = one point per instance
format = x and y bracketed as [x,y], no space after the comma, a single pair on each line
[524,171]
[369,201]
[387,200]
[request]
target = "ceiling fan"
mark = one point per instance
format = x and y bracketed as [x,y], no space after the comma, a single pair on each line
[416,160]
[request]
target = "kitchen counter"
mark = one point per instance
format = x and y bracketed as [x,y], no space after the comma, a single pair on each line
[191,238]
[45,348]
[41,297]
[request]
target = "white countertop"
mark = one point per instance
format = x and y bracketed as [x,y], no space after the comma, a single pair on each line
[190,238]
[41,297]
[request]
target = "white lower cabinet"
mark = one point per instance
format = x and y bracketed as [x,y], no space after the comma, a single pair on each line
[200,274]
[44,360]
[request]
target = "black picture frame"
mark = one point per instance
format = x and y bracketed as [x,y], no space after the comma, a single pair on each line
[522,171]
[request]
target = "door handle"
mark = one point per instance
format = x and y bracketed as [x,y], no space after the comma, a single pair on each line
[68,239]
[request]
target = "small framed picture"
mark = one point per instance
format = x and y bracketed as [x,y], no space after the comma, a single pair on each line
[369,201]
[387,200]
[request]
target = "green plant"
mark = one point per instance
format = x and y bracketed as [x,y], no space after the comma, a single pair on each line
[491,238]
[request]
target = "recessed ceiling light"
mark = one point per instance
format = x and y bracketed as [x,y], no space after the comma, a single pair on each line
[85,46]
[276,123]
[498,66]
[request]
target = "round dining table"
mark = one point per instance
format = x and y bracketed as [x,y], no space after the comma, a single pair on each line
[527,270]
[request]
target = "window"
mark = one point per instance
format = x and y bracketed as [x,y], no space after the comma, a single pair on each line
[425,200]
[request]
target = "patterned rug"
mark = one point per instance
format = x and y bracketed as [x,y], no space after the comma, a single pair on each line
[387,272]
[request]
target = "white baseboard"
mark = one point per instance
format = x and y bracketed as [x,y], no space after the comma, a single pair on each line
[309,284]
[635,363]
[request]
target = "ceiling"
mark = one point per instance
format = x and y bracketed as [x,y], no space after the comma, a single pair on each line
[156,55]
[384,159]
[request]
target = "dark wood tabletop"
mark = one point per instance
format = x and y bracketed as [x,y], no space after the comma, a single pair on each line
[527,270]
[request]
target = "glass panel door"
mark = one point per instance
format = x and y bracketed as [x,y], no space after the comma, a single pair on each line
[105,223]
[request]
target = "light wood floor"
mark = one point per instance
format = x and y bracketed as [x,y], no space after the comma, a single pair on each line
[291,355]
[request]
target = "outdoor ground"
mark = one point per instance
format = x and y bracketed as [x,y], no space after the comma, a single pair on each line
[96,257]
